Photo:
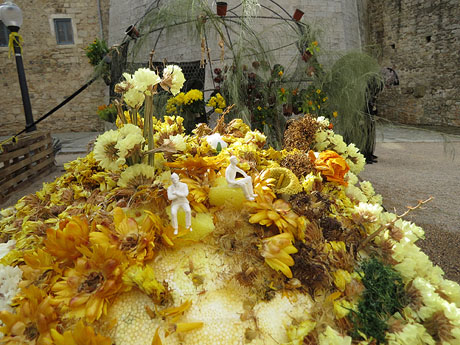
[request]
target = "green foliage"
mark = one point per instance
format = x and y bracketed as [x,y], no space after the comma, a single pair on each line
[107,113]
[96,51]
[384,295]
[346,85]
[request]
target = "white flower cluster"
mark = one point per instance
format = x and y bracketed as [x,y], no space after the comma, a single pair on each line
[143,82]
[328,140]
[9,278]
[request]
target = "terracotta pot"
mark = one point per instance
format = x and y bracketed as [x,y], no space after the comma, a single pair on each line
[132,32]
[297,15]
[221,8]
[306,55]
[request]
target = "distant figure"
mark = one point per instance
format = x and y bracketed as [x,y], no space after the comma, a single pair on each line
[177,193]
[374,87]
[245,183]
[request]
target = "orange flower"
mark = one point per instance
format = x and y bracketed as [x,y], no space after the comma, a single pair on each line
[64,242]
[332,166]
[283,90]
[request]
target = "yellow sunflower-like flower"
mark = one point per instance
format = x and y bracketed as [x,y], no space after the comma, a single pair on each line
[332,166]
[96,278]
[105,152]
[34,318]
[173,79]
[137,175]
[81,335]
[64,242]
[276,250]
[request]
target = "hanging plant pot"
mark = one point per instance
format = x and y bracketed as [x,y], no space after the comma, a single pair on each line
[132,32]
[221,8]
[297,15]
[306,56]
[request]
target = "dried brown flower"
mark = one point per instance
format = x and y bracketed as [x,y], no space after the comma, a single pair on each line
[298,163]
[300,133]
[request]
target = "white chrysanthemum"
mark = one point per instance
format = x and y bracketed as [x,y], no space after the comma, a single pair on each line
[451,289]
[365,212]
[322,120]
[130,146]
[355,194]
[214,139]
[178,141]
[129,129]
[134,98]
[5,248]
[332,337]
[9,280]
[367,189]
[105,151]
[411,231]
[351,178]
[432,302]
[173,79]
[144,79]
[411,334]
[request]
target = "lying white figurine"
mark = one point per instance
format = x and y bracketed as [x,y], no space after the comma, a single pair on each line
[177,193]
[245,183]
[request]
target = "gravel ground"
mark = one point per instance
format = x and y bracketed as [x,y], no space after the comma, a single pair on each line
[409,172]
[405,173]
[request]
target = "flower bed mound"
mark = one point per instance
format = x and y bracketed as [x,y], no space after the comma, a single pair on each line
[93,258]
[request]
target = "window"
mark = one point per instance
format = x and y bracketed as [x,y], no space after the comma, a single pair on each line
[63,30]
[3,35]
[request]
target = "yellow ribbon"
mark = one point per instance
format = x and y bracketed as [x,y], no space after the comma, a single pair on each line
[14,37]
[12,139]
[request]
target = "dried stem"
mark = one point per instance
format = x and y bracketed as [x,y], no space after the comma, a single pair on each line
[387,225]
[221,122]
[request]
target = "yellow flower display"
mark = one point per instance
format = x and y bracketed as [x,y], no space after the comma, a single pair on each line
[96,259]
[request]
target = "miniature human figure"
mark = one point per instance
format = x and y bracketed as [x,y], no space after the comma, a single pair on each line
[177,193]
[245,183]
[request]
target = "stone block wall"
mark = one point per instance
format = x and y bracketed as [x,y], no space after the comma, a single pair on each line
[54,71]
[421,40]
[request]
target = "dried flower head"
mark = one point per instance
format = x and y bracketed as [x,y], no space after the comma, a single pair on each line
[300,133]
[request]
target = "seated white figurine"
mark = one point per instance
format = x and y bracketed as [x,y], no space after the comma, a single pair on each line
[244,183]
[177,193]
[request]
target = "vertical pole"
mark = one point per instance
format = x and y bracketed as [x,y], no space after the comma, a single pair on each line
[30,127]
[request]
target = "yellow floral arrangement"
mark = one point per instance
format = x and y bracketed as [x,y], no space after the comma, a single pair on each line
[218,103]
[183,102]
[92,258]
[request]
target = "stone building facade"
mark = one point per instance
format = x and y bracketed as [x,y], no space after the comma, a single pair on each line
[421,40]
[54,71]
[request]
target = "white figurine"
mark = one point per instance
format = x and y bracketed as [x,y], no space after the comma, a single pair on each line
[177,193]
[245,183]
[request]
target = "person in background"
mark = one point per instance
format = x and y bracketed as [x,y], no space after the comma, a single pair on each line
[374,87]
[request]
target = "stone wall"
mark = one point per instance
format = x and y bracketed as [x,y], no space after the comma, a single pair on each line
[421,40]
[54,71]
